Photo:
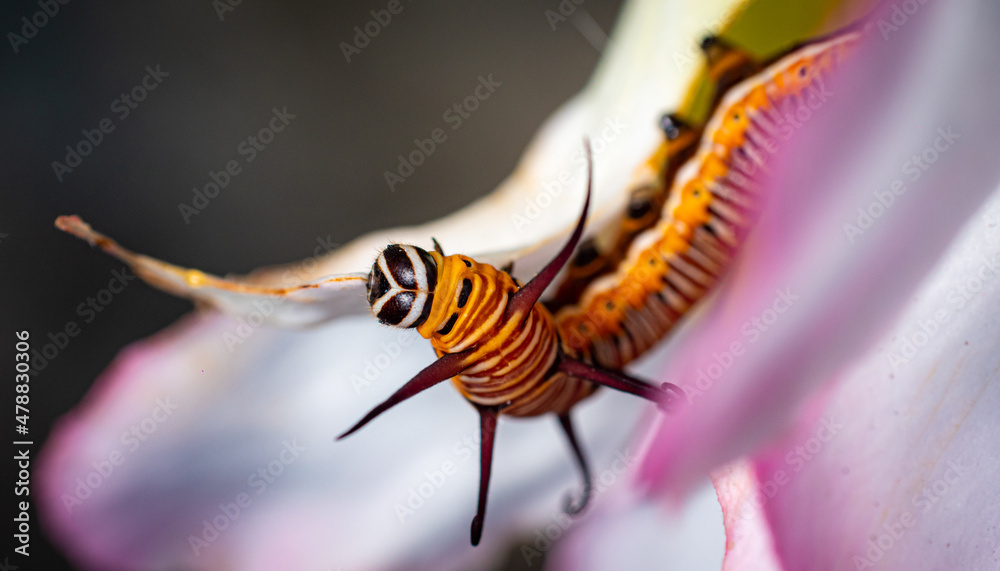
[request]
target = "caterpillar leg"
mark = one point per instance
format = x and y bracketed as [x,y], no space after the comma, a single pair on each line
[443,369]
[570,506]
[617,380]
[727,64]
[674,127]
[487,431]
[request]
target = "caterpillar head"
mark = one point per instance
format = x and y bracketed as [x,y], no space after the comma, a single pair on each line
[401,285]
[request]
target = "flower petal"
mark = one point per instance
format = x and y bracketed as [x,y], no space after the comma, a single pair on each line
[626,532]
[806,297]
[749,544]
[899,469]
[181,426]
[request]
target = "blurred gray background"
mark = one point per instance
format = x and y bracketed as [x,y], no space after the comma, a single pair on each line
[322,177]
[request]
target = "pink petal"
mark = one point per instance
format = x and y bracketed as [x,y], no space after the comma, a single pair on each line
[900,469]
[825,298]
[626,532]
[335,504]
[749,545]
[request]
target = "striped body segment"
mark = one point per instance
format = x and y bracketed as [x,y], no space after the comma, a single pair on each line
[516,374]
[712,204]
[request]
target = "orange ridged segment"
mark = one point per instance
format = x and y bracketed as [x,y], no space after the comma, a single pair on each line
[712,203]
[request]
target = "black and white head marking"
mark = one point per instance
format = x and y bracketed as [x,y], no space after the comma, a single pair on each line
[401,285]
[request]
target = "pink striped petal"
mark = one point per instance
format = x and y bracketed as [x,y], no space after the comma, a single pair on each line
[900,468]
[749,544]
[808,297]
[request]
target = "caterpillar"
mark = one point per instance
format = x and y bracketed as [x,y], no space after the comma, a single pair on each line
[509,353]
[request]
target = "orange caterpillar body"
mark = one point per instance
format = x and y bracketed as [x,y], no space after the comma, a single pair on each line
[515,357]
[712,203]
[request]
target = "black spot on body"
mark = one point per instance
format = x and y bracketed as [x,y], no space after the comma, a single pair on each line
[449,326]
[463,296]
[639,207]
[586,254]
